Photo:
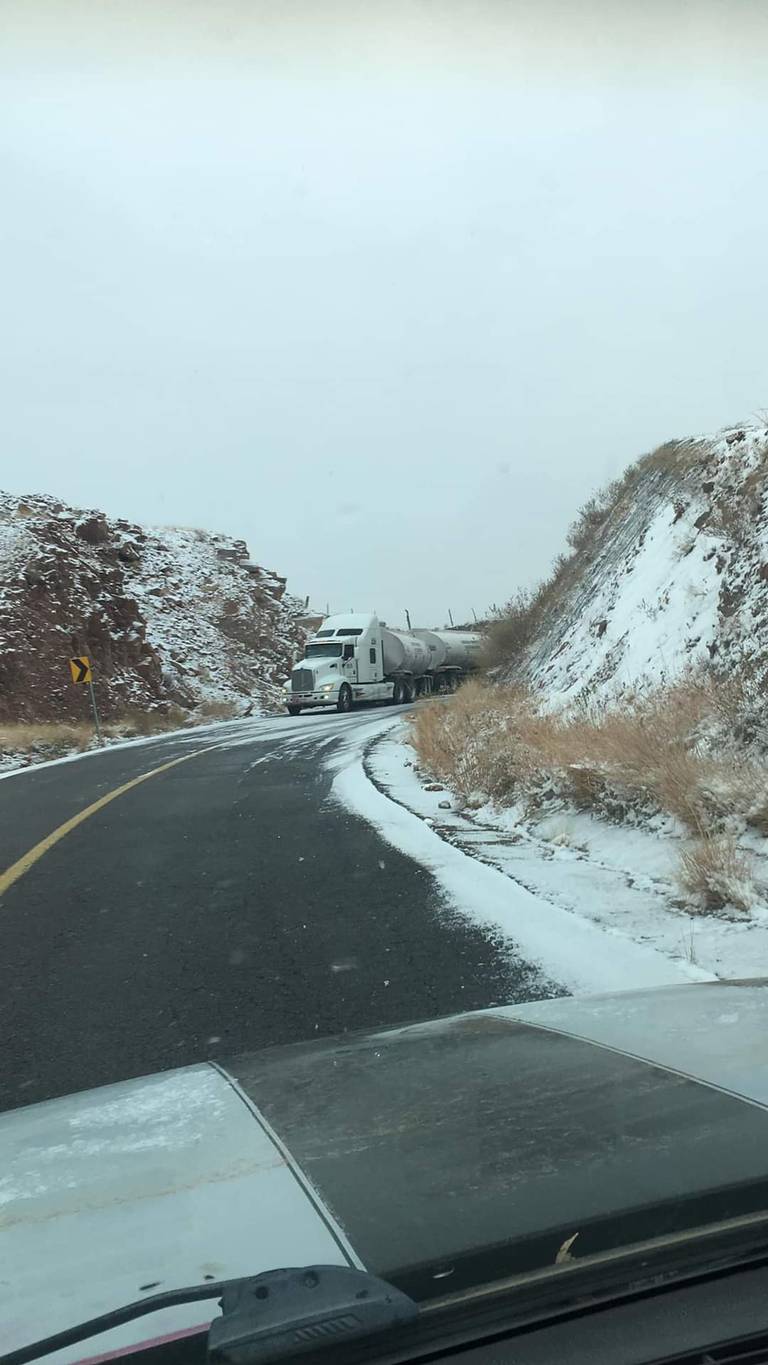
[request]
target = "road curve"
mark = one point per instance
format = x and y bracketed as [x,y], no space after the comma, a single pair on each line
[222,904]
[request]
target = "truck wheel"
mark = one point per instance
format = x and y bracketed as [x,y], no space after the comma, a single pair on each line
[294,710]
[397,693]
[345,699]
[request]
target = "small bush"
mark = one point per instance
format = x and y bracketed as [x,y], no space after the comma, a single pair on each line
[716,872]
[522,620]
[218,710]
[135,721]
[588,522]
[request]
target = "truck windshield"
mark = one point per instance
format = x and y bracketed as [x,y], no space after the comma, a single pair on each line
[322,651]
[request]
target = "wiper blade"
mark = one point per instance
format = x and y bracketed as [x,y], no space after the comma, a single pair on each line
[271,1316]
[283,1313]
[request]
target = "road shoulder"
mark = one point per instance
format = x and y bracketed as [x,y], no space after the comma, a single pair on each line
[575,952]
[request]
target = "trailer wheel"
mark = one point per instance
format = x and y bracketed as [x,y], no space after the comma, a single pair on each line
[345,698]
[397,693]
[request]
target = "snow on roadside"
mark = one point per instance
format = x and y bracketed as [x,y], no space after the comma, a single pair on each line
[580,952]
[579,871]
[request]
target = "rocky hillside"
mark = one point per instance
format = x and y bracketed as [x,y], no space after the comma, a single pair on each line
[667,571]
[167,616]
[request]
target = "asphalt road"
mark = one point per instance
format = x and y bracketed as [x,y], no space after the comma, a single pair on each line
[222,905]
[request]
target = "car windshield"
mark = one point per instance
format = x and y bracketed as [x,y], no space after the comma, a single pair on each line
[383,638]
[322,651]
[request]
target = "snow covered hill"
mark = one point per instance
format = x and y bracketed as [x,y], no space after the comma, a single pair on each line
[669,570]
[167,616]
[622,776]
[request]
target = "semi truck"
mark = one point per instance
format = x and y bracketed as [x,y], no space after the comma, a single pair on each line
[355,658]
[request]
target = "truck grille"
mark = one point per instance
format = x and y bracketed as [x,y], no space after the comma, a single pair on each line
[302,680]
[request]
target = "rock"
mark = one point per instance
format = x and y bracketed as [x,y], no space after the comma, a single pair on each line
[94,530]
[444,805]
[82,583]
[434,787]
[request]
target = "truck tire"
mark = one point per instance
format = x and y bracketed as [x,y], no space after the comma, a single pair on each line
[294,710]
[345,702]
[398,696]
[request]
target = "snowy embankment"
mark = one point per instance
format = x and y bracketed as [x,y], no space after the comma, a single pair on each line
[596,904]
[538,905]
[667,571]
[616,762]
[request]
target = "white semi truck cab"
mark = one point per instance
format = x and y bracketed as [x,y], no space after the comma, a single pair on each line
[355,658]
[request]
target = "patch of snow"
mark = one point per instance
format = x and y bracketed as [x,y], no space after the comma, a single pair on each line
[581,952]
[620,879]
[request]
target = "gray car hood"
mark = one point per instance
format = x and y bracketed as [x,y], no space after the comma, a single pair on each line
[437,1154]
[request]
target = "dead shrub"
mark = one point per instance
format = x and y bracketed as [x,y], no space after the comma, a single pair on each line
[59,736]
[218,710]
[589,519]
[717,873]
[524,617]
[137,722]
[673,455]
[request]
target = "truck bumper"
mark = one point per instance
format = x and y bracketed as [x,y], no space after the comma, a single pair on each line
[303,699]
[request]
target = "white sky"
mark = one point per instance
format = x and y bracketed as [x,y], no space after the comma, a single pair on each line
[385,288]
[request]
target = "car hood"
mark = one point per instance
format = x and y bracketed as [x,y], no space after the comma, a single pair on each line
[440,1155]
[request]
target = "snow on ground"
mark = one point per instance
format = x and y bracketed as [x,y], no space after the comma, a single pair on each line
[542,912]
[192,604]
[593,903]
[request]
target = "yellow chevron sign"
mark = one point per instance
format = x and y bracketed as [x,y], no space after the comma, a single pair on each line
[81,669]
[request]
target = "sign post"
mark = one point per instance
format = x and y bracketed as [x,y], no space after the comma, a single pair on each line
[81,671]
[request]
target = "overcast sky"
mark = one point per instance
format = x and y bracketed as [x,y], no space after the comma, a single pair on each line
[386,288]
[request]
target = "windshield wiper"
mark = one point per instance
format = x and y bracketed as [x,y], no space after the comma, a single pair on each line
[271,1316]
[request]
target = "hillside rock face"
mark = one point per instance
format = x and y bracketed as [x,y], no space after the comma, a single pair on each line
[673,575]
[166,616]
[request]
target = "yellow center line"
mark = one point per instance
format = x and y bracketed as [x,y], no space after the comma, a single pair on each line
[28,860]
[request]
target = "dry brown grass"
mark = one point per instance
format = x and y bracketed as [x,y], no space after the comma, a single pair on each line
[644,753]
[717,873]
[51,738]
[219,710]
[673,455]
[136,721]
[26,737]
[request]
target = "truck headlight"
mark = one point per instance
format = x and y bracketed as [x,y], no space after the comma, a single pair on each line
[327,687]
